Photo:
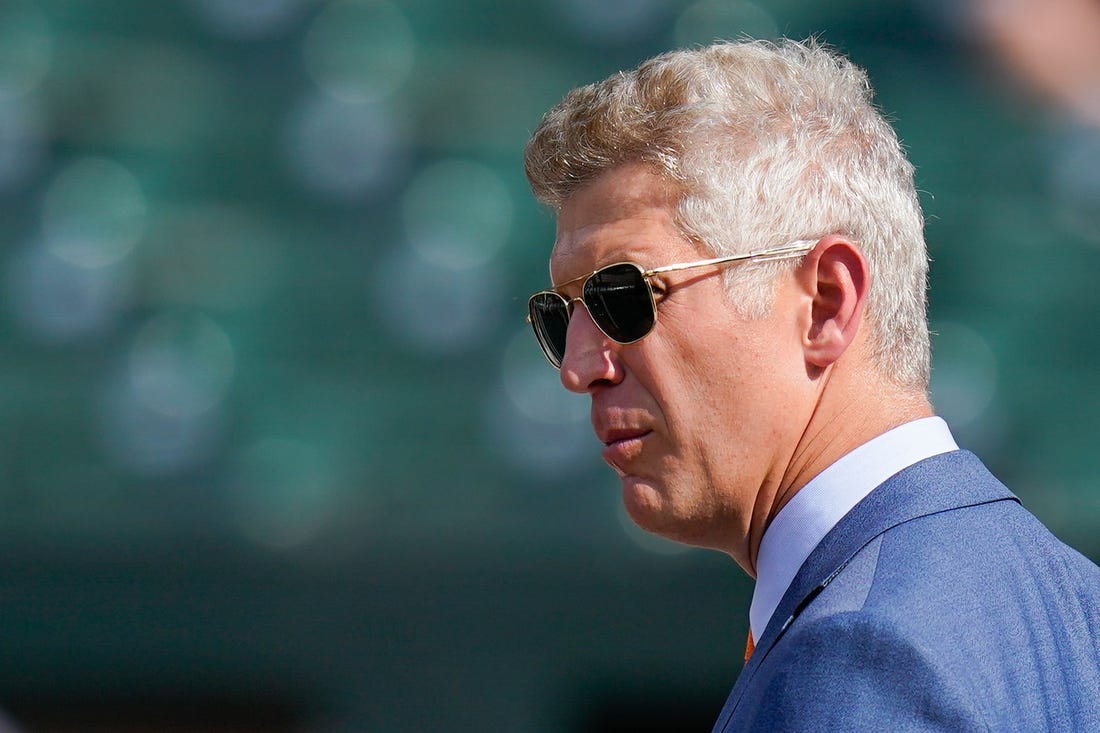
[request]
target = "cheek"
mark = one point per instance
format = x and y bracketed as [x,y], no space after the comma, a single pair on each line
[713,374]
[738,386]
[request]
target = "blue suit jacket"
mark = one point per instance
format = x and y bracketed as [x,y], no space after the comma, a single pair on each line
[937,603]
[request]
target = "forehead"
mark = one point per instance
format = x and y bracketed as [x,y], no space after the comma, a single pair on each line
[626,213]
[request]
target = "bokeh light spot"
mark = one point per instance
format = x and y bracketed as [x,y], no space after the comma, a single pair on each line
[181,364]
[435,309]
[249,19]
[342,150]
[534,386]
[359,50]
[457,214]
[93,213]
[539,427]
[150,442]
[59,301]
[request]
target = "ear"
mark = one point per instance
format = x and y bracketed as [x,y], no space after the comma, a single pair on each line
[835,277]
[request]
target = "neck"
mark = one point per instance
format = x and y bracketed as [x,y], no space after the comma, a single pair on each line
[850,411]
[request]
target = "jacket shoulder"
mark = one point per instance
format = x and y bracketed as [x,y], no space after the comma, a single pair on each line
[856,671]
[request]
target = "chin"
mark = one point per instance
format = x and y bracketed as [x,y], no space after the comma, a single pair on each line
[650,509]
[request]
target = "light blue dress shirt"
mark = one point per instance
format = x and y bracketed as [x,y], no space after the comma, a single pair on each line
[819,505]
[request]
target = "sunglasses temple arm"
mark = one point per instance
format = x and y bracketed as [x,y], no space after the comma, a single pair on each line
[794,249]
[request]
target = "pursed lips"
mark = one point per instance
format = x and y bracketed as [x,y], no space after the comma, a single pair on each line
[610,437]
[621,445]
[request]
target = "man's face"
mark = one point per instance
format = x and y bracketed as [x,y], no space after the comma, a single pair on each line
[699,418]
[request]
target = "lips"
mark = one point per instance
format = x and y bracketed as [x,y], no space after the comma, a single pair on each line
[621,446]
[610,437]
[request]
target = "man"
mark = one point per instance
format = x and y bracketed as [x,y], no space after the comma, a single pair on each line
[739,286]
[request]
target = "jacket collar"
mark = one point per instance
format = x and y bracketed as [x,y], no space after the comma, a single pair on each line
[941,483]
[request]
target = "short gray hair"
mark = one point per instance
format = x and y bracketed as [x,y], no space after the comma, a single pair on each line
[768,143]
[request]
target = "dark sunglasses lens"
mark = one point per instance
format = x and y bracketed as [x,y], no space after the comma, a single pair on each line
[620,302]
[550,319]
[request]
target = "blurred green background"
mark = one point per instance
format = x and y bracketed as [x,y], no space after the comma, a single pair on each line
[277,450]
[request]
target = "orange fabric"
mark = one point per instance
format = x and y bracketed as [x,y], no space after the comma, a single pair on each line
[749,647]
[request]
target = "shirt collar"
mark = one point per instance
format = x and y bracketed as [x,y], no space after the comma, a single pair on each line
[819,505]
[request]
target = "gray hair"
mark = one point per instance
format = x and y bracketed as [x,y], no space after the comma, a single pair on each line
[768,143]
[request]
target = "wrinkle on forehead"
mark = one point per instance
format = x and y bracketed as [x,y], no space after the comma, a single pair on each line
[624,201]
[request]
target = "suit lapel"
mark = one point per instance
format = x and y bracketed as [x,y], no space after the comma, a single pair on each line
[940,483]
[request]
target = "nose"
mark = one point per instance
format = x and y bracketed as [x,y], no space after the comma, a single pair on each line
[591,358]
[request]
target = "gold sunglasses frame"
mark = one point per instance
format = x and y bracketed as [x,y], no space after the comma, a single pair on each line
[796,248]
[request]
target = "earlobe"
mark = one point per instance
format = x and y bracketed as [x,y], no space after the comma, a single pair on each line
[836,279]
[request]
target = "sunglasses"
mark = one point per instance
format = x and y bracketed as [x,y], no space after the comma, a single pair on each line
[620,299]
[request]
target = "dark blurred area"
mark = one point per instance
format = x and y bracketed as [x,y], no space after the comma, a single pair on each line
[277,450]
